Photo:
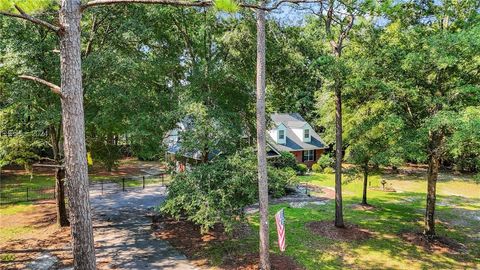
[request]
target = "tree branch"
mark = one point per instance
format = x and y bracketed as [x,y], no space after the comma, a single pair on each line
[55,88]
[186,3]
[29,18]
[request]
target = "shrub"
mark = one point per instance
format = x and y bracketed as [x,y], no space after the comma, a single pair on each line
[302,169]
[325,161]
[285,160]
[316,168]
[105,153]
[328,170]
[218,192]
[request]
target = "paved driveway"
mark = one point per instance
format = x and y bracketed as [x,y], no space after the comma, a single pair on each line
[123,235]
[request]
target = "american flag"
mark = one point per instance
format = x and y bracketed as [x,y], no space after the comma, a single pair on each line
[280,220]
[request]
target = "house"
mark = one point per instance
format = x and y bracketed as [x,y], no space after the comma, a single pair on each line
[182,160]
[291,133]
[173,143]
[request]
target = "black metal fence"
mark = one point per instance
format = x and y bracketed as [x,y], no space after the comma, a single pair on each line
[18,193]
[24,194]
[130,183]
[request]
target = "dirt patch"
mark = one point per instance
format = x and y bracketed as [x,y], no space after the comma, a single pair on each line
[440,244]
[186,237]
[322,192]
[350,232]
[127,167]
[43,236]
[364,207]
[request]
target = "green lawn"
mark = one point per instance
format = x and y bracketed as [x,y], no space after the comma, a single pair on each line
[34,182]
[396,212]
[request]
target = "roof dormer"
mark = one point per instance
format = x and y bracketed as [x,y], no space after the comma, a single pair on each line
[307,133]
[279,134]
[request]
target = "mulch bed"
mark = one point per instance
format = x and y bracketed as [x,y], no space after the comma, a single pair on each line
[186,237]
[350,232]
[440,244]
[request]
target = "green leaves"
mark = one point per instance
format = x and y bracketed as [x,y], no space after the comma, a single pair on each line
[29,6]
[218,192]
[226,5]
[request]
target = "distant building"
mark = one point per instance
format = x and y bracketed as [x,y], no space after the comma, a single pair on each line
[291,133]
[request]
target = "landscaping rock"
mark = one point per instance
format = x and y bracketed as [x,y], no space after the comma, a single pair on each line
[44,262]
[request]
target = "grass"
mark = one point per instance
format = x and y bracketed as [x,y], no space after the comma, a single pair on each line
[25,181]
[8,210]
[11,233]
[396,212]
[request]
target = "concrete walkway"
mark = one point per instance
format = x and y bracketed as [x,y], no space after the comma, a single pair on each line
[123,235]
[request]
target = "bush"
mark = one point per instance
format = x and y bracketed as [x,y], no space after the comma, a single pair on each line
[325,161]
[302,169]
[218,192]
[105,153]
[328,170]
[316,168]
[285,160]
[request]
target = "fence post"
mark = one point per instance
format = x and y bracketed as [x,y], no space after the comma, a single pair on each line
[143,179]
[27,194]
[162,179]
[123,184]
[101,181]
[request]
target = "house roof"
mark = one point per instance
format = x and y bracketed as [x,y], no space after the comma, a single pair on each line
[293,142]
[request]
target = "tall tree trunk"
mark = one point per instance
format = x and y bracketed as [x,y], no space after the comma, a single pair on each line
[338,151]
[435,142]
[62,217]
[365,183]
[74,136]
[261,143]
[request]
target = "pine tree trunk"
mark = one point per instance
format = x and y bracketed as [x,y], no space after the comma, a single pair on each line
[365,183]
[62,217]
[338,150]
[435,141]
[261,143]
[74,136]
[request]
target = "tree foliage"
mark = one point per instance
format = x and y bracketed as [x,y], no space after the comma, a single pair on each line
[219,191]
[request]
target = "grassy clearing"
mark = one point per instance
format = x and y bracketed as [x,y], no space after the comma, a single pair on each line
[26,181]
[8,210]
[396,212]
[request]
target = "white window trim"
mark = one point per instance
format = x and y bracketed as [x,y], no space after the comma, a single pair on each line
[306,132]
[310,155]
[280,137]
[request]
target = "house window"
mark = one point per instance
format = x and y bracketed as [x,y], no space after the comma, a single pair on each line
[309,155]
[281,134]
[306,133]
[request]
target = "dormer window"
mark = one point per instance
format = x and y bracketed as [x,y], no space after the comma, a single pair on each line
[306,134]
[281,135]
